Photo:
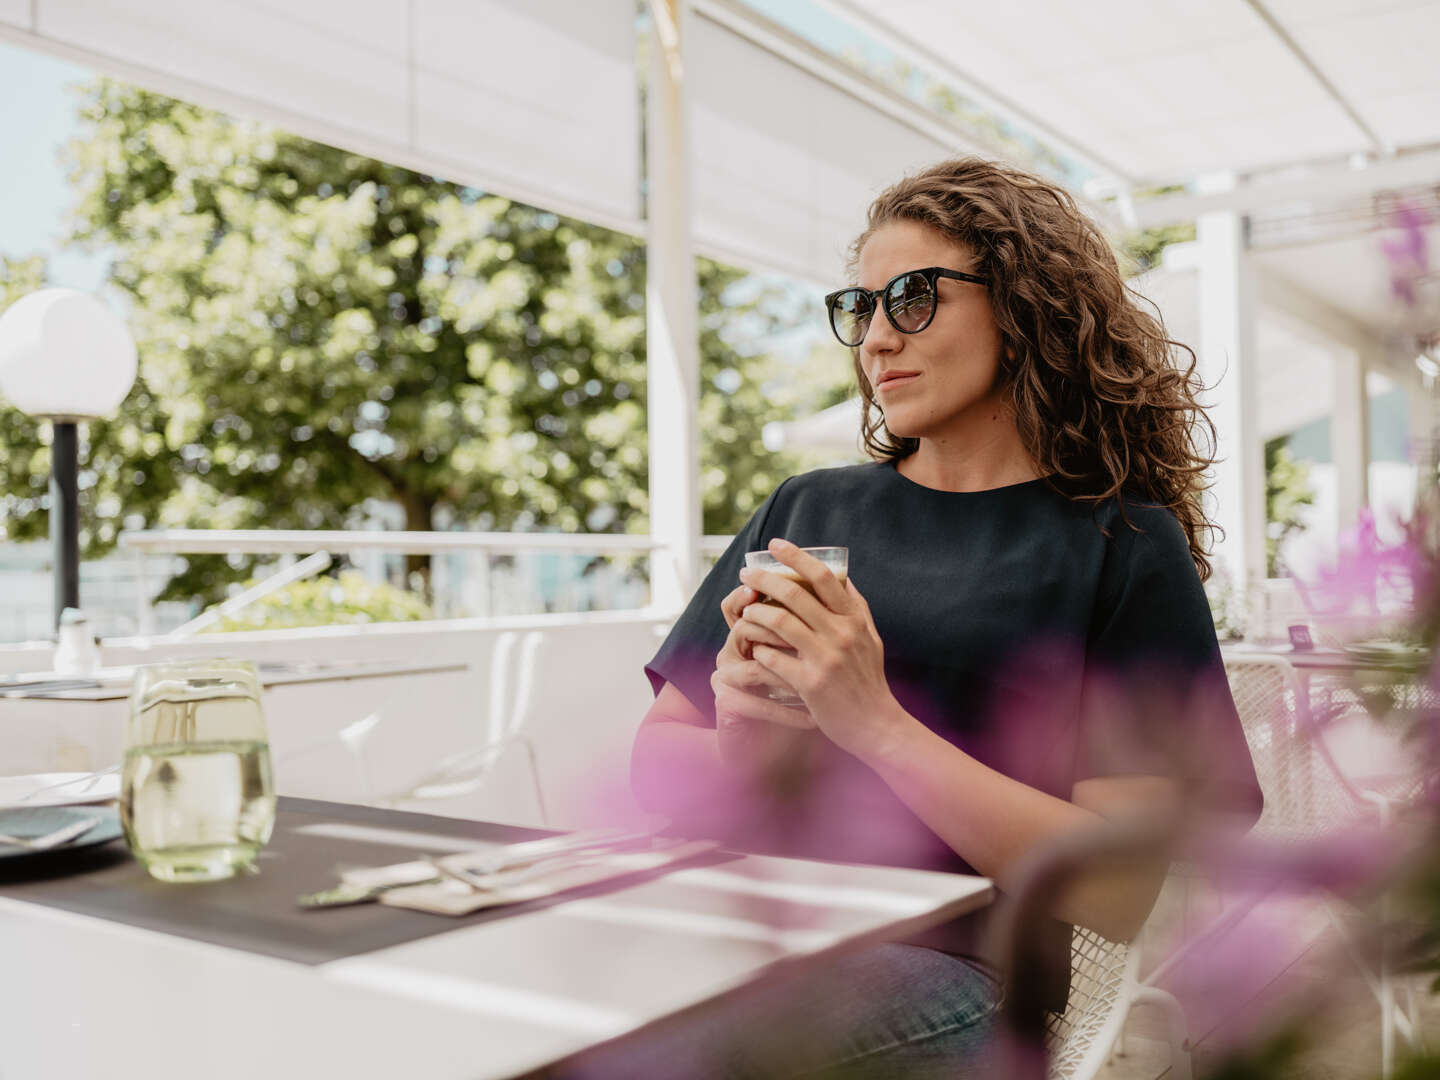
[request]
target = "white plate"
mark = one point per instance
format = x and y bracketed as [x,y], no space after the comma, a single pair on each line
[15,788]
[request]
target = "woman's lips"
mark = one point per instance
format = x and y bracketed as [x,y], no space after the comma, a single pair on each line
[891,380]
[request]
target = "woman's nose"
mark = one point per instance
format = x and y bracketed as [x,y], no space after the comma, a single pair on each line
[880,336]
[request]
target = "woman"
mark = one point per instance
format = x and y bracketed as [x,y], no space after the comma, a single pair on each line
[1023,649]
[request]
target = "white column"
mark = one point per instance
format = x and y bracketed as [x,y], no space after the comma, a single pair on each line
[1420,402]
[1228,364]
[671,300]
[1350,437]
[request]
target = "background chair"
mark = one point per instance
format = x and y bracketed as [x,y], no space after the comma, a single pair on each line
[1031,1041]
[1104,986]
[466,771]
[510,683]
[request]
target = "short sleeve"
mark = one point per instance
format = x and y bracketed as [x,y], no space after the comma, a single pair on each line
[687,657]
[1156,700]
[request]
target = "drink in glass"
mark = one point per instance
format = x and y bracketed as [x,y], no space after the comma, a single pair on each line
[837,559]
[197,798]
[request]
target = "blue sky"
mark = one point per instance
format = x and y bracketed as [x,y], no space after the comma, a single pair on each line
[37,115]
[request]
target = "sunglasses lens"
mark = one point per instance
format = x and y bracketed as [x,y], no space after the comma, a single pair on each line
[910,302]
[850,313]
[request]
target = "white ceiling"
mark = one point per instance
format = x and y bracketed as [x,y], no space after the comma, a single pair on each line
[1164,90]
[1295,371]
[1351,275]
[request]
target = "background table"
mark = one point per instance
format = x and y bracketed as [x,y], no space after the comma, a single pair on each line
[484,997]
[305,703]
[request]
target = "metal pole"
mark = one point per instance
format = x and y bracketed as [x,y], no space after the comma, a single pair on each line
[65,515]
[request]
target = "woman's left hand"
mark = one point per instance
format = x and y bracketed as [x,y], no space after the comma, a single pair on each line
[838,667]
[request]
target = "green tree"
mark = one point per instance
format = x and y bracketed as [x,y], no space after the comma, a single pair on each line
[320,331]
[1287,489]
[24,450]
[1141,249]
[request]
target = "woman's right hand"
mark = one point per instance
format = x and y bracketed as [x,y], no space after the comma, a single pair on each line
[732,607]
[754,734]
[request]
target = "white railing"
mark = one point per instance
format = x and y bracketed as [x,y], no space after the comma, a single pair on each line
[294,542]
[298,541]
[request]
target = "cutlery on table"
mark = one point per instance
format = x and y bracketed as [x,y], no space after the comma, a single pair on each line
[481,869]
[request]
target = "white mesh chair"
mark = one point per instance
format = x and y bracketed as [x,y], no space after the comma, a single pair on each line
[1306,794]
[1104,985]
[464,772]
[512,655]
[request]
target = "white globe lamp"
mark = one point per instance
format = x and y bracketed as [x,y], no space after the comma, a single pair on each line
[65,356]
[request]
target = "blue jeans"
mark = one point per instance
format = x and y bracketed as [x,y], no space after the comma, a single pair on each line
[888,1011]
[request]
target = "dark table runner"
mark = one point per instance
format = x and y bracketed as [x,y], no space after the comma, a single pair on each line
[257,912]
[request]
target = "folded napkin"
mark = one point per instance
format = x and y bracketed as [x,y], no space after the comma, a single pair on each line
[451,896]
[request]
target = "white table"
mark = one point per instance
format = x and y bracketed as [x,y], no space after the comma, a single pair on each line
[113,684]
[83,996]
[80,730]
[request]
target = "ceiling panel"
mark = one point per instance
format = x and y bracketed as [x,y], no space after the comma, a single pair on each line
[15,12]
[509,95]
[785,164]
[522,91]
[1108,76]
[271,57]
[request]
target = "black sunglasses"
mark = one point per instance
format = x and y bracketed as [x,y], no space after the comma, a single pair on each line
[908,300]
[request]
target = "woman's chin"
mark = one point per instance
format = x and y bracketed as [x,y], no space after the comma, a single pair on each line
[905,427]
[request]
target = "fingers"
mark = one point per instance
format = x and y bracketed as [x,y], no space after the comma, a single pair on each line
[747,675]
[738,707]
[787,593]
[750,633]
[828,589]
[780,622]
[742,639]
[859,602]
[786,665]
[735,602]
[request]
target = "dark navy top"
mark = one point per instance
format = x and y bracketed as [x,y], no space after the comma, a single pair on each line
[1045,637]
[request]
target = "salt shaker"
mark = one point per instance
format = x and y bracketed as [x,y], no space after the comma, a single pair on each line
[75,651]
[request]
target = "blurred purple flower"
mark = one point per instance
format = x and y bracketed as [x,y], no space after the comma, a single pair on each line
[1407,251]
[1362,565]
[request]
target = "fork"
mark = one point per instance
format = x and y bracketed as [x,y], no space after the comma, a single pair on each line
[89,782]
[62,835]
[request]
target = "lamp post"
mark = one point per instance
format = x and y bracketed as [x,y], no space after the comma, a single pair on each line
[67,357]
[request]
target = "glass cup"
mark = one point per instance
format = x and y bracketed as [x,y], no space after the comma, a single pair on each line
[836,558]
[197,798]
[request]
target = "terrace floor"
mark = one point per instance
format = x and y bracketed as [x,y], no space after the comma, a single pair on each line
[1344,1040]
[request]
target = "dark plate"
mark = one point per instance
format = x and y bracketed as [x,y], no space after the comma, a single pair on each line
[40,820]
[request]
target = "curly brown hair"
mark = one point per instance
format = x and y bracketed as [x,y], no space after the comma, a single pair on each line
[1100,398]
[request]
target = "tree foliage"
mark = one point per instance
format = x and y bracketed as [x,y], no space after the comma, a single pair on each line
[1287,490]
[345,600]
[321,333]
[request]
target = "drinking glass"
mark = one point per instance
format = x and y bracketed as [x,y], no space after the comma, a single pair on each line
[197,798]
[836,558]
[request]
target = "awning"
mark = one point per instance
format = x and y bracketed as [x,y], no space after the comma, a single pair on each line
[538,101]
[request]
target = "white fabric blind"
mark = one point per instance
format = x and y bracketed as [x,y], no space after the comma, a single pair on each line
[785,164]
[15,12]
[534,99]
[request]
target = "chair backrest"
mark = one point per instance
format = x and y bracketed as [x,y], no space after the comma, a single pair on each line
[508,711]
[1305,795]
[1102,974]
